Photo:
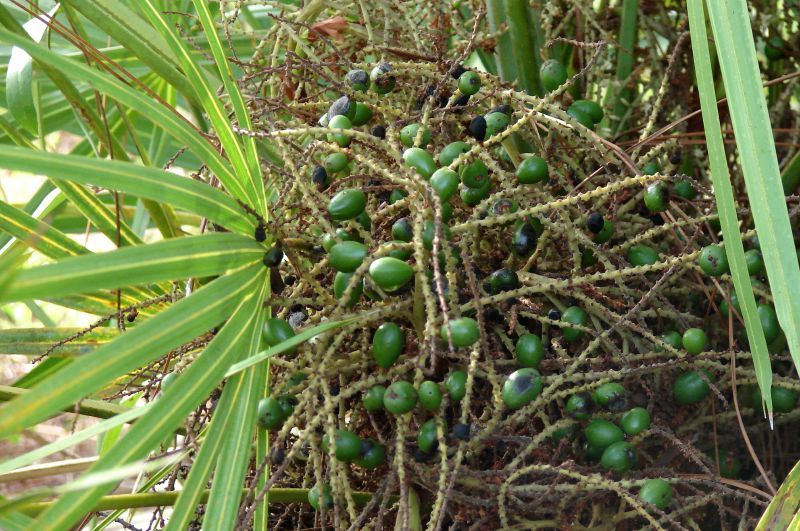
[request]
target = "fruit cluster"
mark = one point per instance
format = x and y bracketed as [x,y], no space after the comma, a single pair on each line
[516,294]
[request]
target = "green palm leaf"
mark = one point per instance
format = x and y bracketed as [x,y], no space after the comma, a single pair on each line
[149,108]
[174,259]
[183,321]
[151,183]
[168,412]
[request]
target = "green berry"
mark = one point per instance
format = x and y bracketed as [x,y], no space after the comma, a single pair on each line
[463,330]
[605,233]
[430,395]
[656,197]
[684,189]
[529,350]
[592,452]
[754,260]
[619,457]
[641,255]
[397,195]
[769,322]
[329,240]
[603,433]
[456,385]
[496,122]
[473,196]
[690,388]
[553,74]
[723,305]
[387,344]
[336,162]
[694,341]
[363,114]
[576,316]
[521,388]
[270,413]
[713,260]
[783,400]
[372,454]
[568,431]
[469,83]
[451,152]
[347,256]
[402,230]
[533,170]
[503,280]
[287,403]
[390,274]
[408,135]
[656,491]
[429,231]
[673,338]
[347,204]
[373,398]
[340,122]
[475,174]
[612,396]
[651,168]
[444,182]
[427,436]
[580,406]
[590,108]
[403,253]
[400,398]
[340,283]
[420,160]
[635,421]
[581,117]
[346,445]
[276,331]
[314,497]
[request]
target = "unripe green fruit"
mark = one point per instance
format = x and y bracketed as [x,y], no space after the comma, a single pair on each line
[463,331]
[456,385]
[521,388]
[387,344]
[400,398]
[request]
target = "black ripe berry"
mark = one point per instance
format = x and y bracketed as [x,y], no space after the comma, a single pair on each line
[289,280]
[595,222]
[261,233]
[379,131]
[422,457]
[457,70]
[273,257]
[554,314]
[342,106]
[334,390]
[320,177]
[676,158]
[461,101]
[477,128]
[461,431]
[296,307]
[278,455]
